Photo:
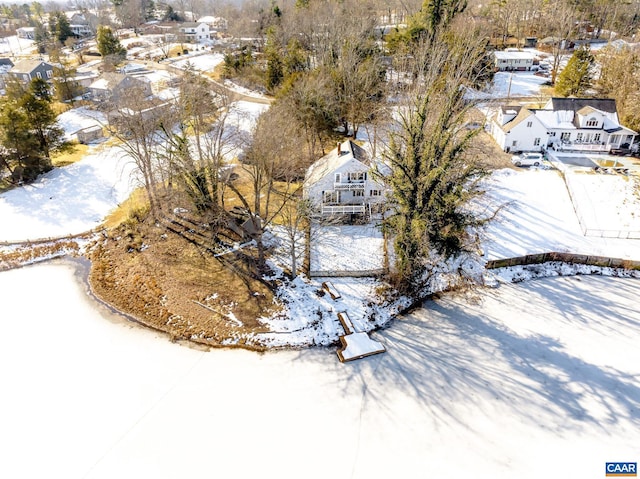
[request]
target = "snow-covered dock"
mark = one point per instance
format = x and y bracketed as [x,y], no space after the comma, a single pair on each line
[356,345]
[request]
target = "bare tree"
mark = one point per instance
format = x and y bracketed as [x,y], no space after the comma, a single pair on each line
[560,18]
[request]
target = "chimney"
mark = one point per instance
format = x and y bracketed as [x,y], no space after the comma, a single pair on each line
[339,149]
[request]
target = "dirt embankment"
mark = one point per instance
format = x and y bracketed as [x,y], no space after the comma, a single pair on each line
[174,286]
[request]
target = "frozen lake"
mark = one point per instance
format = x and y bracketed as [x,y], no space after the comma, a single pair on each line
[529,380]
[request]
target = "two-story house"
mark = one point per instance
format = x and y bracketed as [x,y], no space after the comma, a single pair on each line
[27,70]
[577,124]
[343,183]
[194,31]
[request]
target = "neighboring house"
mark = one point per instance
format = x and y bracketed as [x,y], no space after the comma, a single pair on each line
[216,24]
[342,182]
[83,23]
[80,30]
[111,86]
[194,31]
[27,70]
[510,60]
[578,124]
[28,33]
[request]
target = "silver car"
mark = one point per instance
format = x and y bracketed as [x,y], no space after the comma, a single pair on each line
[527,159]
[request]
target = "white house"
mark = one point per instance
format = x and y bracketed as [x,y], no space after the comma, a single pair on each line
[28,33]
[577,124]
[513,60]
[216,24]
[194,31]
[342,182]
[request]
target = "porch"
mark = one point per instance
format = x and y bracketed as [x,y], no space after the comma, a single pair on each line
[342,209]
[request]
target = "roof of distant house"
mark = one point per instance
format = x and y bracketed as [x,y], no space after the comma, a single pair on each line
[509,55]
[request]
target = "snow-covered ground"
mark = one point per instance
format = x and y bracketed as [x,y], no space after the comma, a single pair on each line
[347,248]
[76,198]
[605,203]
[538,217]
[79,118]
[16,46]
[516,84]
[201,63]
[67,200]
[537,379]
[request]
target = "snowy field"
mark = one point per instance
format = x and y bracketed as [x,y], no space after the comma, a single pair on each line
[201,63]
[538,217]
[537,379]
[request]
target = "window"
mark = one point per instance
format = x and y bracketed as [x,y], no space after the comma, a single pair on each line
[593,121]
[614,140]
[596,137]
[566,136]
[529,124]
[358,176]
[331,197]
[49,73]
[375,193]
[536,142]
[514,143]
[338,178]
[39,75]
[579,137]
[25,77]
[358,193]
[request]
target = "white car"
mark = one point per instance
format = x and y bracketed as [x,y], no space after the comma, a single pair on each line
[527,159]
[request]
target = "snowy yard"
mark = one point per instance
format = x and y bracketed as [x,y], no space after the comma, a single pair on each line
[606,203]
[517,84]
[68,200]
[346,248]
[537,379]
[539,217]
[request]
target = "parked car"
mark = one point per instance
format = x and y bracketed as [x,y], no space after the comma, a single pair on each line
[527,159]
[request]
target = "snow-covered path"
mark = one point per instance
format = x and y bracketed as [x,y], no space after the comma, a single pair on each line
[534,380]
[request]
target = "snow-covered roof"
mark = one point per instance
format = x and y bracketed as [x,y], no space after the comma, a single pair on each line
[510,55]
[345,152]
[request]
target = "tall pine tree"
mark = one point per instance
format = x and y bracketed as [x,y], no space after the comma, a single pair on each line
[577,76]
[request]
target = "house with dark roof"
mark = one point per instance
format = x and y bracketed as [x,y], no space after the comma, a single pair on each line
[27,70]
[342,183]
[576,124]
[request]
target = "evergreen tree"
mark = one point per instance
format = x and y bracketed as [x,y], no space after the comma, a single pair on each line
[109,45]
[28,130]
[433,179]
[577,76]
[59,26]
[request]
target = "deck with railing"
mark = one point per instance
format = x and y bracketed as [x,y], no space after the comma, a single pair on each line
[337,209]
[349,185]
